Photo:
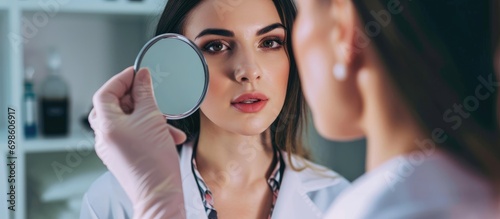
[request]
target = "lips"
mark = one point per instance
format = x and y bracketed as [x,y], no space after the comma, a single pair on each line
[249,97]
[250,102]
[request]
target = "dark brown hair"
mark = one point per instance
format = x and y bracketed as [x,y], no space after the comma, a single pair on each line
[437,54]
[289,127]
[495,26]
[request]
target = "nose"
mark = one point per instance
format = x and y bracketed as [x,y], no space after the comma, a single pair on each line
[246,69]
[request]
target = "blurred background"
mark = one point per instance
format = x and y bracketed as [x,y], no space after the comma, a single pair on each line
[54,54]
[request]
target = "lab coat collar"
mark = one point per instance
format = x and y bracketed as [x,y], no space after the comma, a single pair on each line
[293,201]
[295,188]
[192,196]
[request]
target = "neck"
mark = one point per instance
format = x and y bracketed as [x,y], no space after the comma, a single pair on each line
[386,142]
[230,159]
[390,128]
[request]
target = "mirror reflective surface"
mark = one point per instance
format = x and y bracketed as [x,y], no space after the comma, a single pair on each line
[179,74]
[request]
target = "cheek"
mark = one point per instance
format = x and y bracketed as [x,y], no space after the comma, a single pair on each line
[277,69]
[218,70]
[332,103]
[314,75]
[311,45]
[218,84]
[314,58]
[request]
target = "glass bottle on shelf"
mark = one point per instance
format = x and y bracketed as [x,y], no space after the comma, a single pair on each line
[29,104]
[54,99]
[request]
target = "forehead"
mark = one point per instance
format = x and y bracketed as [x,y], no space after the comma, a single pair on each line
[240,16]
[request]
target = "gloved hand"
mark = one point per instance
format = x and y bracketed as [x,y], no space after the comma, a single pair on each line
[137,145]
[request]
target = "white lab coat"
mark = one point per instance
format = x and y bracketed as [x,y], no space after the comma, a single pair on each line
[303,195]
[422,185]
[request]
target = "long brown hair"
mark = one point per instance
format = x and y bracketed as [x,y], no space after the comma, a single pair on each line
[289,127]
[438,53]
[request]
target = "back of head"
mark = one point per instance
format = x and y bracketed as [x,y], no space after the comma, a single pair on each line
[439,56]
[495,26]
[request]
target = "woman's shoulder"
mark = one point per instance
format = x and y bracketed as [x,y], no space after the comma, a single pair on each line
[435,186]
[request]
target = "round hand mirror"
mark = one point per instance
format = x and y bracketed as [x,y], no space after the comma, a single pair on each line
[178,71]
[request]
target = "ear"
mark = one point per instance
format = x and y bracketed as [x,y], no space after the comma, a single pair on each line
[345,32]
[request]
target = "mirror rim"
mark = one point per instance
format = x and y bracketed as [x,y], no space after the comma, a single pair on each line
[182,38]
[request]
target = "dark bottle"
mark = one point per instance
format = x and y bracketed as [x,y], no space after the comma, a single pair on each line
[54,100]
[55,116]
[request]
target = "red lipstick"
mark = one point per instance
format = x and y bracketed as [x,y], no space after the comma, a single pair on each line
[250,102]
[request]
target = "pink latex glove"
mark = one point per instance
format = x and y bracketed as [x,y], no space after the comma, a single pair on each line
[137,145]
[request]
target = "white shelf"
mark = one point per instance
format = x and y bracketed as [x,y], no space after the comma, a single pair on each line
[75,141]
[101,7]
[50,191]
[83,140]
[118,30]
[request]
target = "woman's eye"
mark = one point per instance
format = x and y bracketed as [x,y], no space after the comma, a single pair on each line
[214,47]
[272,43]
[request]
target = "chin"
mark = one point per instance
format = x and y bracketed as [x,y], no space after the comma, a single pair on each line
[251,130]
[336,131]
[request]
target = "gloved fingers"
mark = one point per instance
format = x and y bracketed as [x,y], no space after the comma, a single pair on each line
[178,135]
[142,92]
[92,116]
[101,125]
[107,98]
[99,147]
[127,104]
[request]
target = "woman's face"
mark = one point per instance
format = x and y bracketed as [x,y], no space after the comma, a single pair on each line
[333,102]
[243,44]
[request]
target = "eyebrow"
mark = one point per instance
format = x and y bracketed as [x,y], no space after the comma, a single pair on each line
[228,33]
[270,28]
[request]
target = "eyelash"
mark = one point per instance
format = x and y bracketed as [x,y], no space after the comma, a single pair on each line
[278,40]
[207,46]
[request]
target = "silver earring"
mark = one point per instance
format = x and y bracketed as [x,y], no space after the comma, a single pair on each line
[339,72]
